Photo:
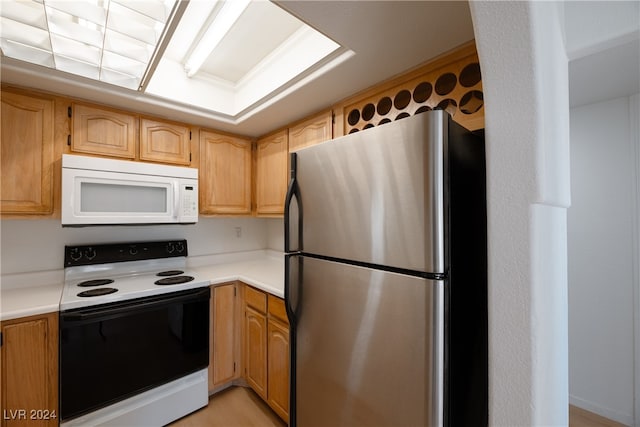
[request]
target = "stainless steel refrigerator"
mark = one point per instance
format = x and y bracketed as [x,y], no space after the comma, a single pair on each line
[386,277]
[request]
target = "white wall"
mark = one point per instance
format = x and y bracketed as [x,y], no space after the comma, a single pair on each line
[275,234]
[601,259]
[524,78]
[38,245]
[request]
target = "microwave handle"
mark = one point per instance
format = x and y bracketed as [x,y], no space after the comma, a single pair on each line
[176,199]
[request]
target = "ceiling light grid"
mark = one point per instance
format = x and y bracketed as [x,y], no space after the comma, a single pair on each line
[108,40]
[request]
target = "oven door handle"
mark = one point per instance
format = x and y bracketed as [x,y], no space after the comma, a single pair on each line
[132,307]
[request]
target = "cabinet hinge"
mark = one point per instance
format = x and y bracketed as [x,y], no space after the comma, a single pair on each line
[69,140]
[69,111]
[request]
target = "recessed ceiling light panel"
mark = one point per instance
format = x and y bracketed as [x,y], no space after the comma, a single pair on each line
[108,40]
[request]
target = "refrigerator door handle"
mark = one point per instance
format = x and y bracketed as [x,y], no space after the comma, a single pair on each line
[293,212]
[292,285]
[292,294]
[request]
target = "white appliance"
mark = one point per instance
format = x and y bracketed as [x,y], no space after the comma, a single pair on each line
[105,191]
[133,335]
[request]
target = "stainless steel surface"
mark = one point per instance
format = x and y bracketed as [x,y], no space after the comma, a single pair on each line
[377,196]
[369,347]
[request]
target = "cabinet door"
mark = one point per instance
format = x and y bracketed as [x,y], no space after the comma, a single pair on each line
[164,142]
[27,154]
[225,174]
[271,174]
[310,132]
[278,368]
[30,371]
[222,354]
[103,132]
[255,329]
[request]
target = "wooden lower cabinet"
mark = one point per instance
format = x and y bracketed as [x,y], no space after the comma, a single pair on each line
[255,329]
[29,371]
[267,349]
[278,368]
[222,346]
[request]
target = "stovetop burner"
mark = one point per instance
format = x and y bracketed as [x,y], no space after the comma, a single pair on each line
[133,269]
[97,292]
[95,282]
[170,273]
[175,280]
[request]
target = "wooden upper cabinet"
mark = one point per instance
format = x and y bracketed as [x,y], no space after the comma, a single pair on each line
[30,371]
[271,174]
[27,154]
[103,132]
[164,142]
[312,131]
[225,174]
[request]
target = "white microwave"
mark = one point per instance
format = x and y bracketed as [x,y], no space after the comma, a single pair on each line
[99,191]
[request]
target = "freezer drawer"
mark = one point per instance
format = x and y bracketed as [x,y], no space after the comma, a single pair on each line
[368,346]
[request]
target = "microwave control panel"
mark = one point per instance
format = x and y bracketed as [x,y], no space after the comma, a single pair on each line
[189,201]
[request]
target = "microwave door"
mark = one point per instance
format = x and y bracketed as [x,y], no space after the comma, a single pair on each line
[100,198]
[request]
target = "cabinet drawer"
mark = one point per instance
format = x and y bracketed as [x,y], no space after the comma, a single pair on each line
[256,299]
[277,309]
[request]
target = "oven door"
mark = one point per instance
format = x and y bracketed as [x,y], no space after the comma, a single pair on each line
[111,352]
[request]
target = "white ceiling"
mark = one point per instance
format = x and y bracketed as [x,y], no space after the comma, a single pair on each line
[262,29]
[386,38]
[380,39]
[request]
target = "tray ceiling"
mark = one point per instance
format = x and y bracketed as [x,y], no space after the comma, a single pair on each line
[277,62]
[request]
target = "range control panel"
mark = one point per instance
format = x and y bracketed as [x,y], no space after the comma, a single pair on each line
[120,252]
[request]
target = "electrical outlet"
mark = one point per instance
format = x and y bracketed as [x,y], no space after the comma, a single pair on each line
[238,231]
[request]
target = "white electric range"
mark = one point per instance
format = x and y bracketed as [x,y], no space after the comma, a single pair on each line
[134,334]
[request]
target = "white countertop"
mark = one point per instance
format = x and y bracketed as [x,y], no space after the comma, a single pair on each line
[38,293]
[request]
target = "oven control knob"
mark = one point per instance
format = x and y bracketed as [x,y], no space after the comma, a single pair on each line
[75,254]
[90,253]
[179,247]
[133,250]
[170,248]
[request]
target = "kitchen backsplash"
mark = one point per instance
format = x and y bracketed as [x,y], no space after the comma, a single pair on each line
[37,245]
[275,234]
